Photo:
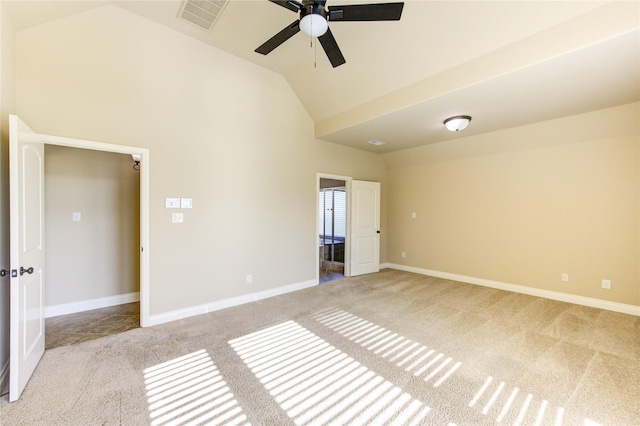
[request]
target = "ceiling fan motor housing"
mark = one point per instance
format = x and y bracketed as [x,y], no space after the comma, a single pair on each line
[313,9]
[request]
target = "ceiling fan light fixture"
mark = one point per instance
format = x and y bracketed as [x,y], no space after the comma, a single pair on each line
[457,123]
[313,25]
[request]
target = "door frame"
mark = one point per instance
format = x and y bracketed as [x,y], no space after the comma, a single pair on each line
[144,205]
[347,242]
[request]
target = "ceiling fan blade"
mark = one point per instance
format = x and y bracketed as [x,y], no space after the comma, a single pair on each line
[331,48]
[292,5]
[366,12]
[284,35]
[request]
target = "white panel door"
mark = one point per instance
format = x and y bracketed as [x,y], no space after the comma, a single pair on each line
[26,180]
[365,228]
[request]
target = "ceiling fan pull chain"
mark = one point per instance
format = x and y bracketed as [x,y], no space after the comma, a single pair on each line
[315,51]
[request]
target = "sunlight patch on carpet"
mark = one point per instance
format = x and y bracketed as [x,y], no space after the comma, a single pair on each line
[529,410]
[189,390]
[316,383]
[422,361]
[415,358]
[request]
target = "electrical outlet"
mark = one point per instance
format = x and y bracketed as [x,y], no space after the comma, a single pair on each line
[565,278]
[249,279]
[606,284]
[404,255]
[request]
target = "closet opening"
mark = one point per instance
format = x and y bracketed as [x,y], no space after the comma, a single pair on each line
[332,228]
[92,252]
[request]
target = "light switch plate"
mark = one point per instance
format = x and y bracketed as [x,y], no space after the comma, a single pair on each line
[172,203]
[76,216]
[186,203]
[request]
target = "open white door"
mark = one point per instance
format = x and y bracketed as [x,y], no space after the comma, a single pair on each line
[26,180]
[365,228]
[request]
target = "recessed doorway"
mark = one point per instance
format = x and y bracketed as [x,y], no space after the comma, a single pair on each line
[92,233]
[332,229]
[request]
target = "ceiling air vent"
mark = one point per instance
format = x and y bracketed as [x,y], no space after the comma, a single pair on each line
[202,13]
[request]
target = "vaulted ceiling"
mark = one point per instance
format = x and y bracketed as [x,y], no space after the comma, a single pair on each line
[505,63]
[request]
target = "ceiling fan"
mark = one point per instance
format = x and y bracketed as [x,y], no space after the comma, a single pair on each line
[314,20]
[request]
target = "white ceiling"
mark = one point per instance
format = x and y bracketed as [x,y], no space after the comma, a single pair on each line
[506,63]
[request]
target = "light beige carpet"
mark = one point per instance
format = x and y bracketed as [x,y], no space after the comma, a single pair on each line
[386,348]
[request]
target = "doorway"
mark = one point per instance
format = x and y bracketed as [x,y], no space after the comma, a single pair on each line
[92,233]
[332,229]
[142,157]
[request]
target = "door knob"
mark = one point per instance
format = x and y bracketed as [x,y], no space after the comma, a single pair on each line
[26,271]
[4,272]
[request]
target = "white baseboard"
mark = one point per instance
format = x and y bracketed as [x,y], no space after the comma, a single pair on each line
[4,377]
[226,303]
[547,294]
[87,305]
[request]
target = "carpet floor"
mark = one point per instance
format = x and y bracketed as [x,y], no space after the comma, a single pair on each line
[386,348]
[88,325]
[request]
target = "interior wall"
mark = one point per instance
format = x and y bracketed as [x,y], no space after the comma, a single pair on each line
[228,134]
[525,205]
[7,106]
[97,256]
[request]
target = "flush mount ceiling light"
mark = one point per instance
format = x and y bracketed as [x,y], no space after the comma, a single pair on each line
[457,123]
[375,142]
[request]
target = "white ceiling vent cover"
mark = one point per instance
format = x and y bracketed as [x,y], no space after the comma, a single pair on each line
[202,13]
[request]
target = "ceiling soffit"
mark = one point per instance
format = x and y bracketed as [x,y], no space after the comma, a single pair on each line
[617,70]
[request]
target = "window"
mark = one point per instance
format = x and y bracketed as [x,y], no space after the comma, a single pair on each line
[333,214]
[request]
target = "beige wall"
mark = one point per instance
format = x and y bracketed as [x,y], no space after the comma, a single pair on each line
[98,256]
[520,206]
[524,205]
[7,106]
[228,134]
